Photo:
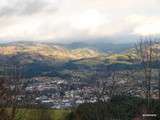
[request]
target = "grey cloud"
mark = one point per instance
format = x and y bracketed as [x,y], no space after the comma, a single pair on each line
[36,19]
[26,7]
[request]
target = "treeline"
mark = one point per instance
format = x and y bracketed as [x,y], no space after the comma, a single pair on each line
[118,108]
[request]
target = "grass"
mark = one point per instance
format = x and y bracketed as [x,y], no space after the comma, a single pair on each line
[40,114]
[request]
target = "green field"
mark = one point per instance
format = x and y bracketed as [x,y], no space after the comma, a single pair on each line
[36,114]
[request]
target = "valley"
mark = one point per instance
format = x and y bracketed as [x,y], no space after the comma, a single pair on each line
[55,77]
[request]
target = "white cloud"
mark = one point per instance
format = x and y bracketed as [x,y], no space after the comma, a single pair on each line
[144,25]
[56,19]
[150,28]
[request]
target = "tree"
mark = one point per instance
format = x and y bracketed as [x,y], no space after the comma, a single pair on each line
[156,51]
[144,52]
[12,88]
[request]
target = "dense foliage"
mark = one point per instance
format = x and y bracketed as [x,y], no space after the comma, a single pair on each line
[118,108]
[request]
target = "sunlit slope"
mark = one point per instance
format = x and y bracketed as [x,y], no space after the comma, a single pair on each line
[47,51]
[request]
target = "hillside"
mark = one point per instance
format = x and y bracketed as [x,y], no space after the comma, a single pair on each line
[55,59]
[46,50]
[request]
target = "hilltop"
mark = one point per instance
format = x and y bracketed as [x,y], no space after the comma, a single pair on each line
[52,59]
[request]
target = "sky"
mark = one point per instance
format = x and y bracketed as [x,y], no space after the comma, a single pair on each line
[72,20]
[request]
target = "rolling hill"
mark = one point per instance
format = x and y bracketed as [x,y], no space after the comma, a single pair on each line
[50,59]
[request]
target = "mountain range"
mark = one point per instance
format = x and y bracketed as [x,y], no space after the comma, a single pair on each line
[55,59]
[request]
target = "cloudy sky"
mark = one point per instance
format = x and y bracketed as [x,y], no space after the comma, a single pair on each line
[66,20]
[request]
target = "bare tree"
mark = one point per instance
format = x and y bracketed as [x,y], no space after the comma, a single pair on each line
[12,88]
[144,53]
[156,51]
